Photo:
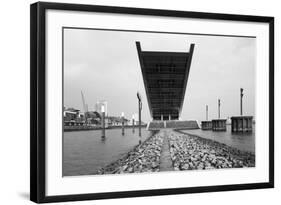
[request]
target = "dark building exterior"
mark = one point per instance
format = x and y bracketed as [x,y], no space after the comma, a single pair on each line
[165,76]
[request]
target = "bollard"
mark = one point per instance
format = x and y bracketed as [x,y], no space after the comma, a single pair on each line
[133,124]
[139,118]
[102,123]
[122,118]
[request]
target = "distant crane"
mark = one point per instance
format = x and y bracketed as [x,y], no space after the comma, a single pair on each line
[85,106]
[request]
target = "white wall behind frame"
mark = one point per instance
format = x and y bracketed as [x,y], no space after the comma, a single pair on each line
[14,87]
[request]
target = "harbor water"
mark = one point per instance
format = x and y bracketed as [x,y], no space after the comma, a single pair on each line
[84,152]
[242,141]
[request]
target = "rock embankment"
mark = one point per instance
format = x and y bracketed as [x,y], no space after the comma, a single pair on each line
[190,152]
[144,158]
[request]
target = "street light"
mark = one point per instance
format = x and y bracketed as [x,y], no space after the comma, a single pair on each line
[241,101]
[133,122]
[122,118]
[102,122]
[140,108]
[219,108]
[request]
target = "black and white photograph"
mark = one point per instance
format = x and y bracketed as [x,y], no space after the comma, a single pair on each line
[134,102]
[144,102]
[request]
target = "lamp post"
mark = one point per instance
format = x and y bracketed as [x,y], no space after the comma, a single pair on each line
[140,108]
[102,122]
[219,108]
[133,122]
[206,112]
[122,118]
[241,101]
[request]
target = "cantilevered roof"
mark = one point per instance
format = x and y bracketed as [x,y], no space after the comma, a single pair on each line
[165,76]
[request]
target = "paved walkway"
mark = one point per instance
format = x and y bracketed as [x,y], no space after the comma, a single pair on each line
[166,163]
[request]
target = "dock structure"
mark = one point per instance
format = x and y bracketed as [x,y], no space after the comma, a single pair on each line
[241,123]
[206,125]
[219,124]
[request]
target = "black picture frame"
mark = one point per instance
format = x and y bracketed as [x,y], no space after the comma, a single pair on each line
[38,103]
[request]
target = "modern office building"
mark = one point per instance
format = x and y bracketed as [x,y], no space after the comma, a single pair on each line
[165,75]
[99,105]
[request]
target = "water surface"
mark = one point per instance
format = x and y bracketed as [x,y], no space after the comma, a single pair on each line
[242,141]
[84,151]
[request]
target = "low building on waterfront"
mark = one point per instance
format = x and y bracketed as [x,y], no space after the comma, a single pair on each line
[93,118]
[73,116]
[173,124]
[116,121]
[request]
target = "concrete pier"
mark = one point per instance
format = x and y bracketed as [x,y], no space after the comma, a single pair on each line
[206,125]
[219,125]
[242,124]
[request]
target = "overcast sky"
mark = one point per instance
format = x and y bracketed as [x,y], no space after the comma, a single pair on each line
[105,66]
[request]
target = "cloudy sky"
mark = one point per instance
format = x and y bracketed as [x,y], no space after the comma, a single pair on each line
[105,66]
